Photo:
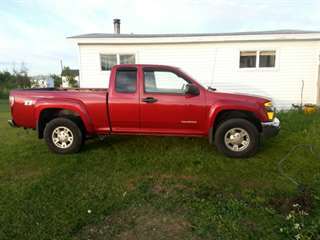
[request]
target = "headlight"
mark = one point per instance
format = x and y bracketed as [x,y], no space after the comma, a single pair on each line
[270,110]
[11,100]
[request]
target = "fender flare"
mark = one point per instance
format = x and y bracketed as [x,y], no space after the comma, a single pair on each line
[220,106]
[66,104]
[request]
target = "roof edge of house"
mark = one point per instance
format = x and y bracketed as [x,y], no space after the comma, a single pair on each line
[276,35]
[177,35]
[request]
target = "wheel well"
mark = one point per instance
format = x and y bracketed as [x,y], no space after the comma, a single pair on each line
[49,114]
[229,114]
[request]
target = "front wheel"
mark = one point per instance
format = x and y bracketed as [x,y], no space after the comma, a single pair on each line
[237,138]
[63,136]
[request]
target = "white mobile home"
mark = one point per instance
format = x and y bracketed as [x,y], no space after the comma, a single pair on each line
[271,63]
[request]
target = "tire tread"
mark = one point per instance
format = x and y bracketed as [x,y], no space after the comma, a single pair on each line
[237,122]
[77,133]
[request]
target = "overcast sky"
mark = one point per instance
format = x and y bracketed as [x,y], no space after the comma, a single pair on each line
[35,31]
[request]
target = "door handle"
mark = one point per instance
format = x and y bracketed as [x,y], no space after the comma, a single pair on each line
[149,100]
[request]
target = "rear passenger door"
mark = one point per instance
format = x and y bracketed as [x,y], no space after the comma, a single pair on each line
[124,100]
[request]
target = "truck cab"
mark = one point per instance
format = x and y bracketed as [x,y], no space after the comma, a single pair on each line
[156,100]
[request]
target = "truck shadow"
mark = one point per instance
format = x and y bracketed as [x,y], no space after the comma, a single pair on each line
[164,145]
[96,143]
[153,143]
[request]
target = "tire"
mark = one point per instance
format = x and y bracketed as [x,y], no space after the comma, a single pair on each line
[239,132]
[63,136]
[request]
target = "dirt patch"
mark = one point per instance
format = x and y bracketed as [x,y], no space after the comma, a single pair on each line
[255,184]
[21,175]
[285,204]
[143,223]
[169,188]
[163,183]
[161,177]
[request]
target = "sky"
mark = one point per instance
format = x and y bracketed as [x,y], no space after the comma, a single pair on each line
[34,32]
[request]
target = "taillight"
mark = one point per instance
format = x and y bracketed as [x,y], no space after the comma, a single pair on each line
[11,100]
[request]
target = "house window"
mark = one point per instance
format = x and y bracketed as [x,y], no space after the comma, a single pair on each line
[108,61]
[163,82]
[126,80]
[267,59]
[257,59]
[127,59]
[248,59]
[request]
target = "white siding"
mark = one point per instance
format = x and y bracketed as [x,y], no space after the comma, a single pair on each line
[217,64]
[295,61]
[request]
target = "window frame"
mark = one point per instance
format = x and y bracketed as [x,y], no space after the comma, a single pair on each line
[117,57]
[163,70]
[104,54]
[256,60]
[257,67]
[275,60]
[125,54]
[128,69]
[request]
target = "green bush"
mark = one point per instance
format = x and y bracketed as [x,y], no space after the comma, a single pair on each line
[17,79]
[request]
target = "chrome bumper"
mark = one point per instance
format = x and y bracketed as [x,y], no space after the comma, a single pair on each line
[270,129]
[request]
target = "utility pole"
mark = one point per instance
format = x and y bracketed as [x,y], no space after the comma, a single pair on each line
[318,83]
[61,65]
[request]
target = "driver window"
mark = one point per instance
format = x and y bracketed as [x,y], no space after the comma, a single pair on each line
[163,82]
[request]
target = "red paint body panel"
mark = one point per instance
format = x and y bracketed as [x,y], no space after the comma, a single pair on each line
[124,109]
[90,105]
[106,111]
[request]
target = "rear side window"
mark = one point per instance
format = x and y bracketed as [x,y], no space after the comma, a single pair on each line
[126,81]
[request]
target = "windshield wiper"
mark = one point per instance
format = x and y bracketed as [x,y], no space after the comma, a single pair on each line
[211,88]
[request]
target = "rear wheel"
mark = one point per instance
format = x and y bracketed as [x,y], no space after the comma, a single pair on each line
[63,136]
[237,138]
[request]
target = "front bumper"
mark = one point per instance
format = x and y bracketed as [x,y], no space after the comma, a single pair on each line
[270,129]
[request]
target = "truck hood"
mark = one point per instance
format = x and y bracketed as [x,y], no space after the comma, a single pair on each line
[249,98]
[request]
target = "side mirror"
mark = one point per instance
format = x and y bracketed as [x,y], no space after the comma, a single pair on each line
[192,90]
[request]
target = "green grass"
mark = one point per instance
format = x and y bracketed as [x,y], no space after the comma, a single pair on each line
[157,187]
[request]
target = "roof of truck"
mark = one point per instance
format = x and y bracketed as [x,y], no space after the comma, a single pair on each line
[145,65]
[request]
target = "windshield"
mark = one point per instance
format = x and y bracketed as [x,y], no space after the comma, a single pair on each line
[193,79]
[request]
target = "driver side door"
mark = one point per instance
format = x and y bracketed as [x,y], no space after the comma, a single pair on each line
[164,106]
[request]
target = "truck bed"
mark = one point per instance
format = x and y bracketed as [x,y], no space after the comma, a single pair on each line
[28,103]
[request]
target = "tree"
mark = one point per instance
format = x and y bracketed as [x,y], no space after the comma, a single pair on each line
[57,80]
[21,77]
[70,76]
[72,81]
[6,83]
[22,80]
[16,79]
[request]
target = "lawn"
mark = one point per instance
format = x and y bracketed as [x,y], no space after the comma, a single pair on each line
[159,188]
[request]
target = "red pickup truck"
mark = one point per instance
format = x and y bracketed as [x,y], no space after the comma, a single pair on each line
[145,100]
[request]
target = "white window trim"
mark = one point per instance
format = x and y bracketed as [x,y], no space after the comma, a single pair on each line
[257,68]
[135,56]
[100,55]
[118,57]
